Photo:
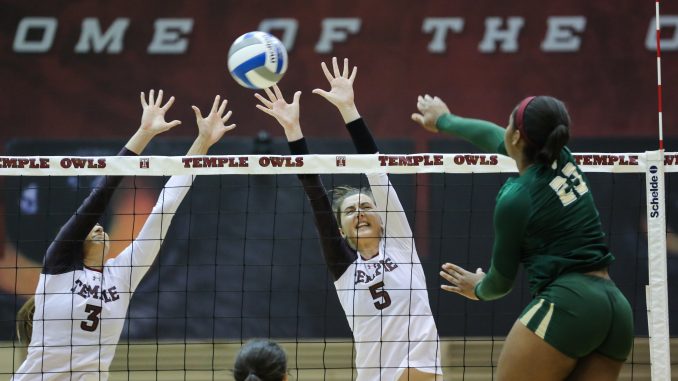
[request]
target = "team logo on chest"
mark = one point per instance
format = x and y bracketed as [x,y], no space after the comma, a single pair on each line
[370,271]
[86,291]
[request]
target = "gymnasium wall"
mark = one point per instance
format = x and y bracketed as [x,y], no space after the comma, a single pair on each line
[75,68]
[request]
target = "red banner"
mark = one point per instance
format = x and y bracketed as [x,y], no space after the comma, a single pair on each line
[75,68]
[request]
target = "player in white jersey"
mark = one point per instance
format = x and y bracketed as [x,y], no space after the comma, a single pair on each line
[369,249]
[81,301]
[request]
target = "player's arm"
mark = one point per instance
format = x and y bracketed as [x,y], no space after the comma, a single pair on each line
[65,251]
[435,116]
[511,216]
[342,96]
[140,255]
[388,204]
[338,255]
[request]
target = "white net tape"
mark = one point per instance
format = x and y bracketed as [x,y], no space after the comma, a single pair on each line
[277,165]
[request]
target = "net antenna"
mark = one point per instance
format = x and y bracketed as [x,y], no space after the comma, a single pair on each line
[659,76]
[656,291]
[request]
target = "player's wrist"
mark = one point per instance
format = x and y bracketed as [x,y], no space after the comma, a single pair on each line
[293,132]
[349,113]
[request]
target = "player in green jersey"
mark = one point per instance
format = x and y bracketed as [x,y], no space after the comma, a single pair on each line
[579,326]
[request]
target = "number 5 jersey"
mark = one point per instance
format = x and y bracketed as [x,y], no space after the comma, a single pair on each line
[386,301]
[384,298]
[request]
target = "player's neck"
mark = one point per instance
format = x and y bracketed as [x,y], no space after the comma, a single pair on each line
[93,263]
[368,248]
[523,165]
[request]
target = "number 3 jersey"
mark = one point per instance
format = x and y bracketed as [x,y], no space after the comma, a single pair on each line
[79,311]
[386,301]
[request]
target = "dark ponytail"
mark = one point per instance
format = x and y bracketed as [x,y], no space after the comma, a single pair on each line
[260,360]
[553,145]
[546,123]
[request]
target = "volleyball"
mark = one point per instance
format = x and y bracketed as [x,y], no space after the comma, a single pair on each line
[257,60]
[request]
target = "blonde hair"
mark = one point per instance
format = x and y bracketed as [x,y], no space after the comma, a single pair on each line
[24,321]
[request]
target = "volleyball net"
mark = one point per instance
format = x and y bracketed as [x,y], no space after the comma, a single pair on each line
[242,257]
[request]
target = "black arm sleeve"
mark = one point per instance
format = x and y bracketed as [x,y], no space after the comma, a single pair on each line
[361,136]
[65,253]
[338,255]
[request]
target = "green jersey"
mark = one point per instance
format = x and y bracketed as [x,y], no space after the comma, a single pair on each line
[545,219]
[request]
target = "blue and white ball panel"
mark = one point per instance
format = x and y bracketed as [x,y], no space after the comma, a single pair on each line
[257,60]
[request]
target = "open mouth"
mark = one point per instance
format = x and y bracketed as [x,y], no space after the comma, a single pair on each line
[362,225]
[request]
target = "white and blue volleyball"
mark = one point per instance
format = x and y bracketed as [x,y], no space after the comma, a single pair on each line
[257,60]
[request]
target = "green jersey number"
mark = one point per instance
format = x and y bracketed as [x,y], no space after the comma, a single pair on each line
[570,186]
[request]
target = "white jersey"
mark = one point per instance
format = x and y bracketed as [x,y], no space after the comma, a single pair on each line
[386,301]
[79,315]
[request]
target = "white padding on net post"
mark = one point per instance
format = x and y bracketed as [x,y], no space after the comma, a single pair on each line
[277,164]
[657,290]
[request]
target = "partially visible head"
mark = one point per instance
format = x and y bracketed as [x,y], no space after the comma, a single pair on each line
[260,360]
[539,128]
[24,321]
[96,246]
[355,211]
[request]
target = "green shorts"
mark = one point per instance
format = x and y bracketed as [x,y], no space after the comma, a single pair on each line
[580,314]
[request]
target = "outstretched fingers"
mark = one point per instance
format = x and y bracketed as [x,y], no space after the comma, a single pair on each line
[328,75]
[268,111]
[452,268]
[173,124]
[345,72]
[167,105]
[335,67]
[143,100]
[227,116]
[222,108]
[263,100]
[418,118]
[278,93]
[198,114]
[353,74]
[322,93]
[270,94]
[158,101]
[297,96]
[449,277]
[452,289]
[215,104]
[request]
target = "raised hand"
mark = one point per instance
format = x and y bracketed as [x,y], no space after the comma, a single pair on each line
[213,127]
[461,281]
[341,93]
[153,117]
[430,109]
[287,114]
